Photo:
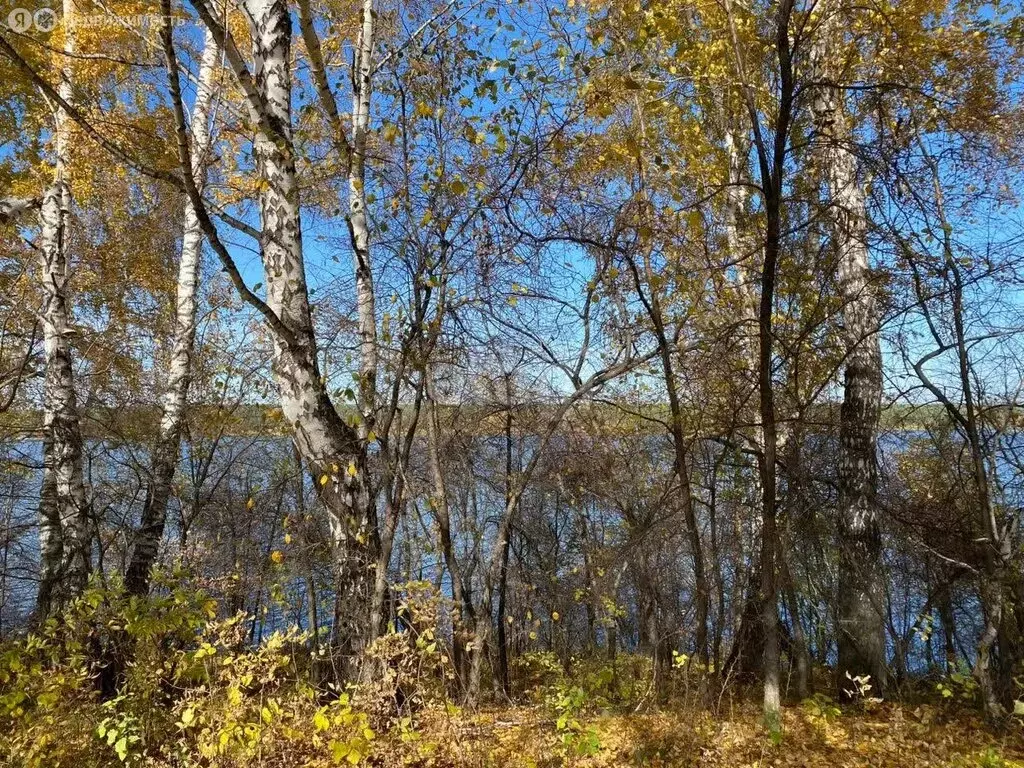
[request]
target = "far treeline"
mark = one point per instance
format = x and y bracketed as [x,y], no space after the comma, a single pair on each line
[687,332]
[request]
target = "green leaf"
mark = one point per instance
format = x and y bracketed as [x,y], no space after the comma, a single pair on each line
[320,722]
[339,750]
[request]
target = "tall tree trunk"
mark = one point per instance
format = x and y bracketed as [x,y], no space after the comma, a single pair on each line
[175,397]
[768,588]
[64,531]
[861,620]
[463,618]
[746,657]
[680,448]
[503,581]
[362,87]
[717,558]
[482,629]
[590,642]
[307,567]
[503,675]
[395,488]
[352,151]
[797,511]
[798,648]
[946,616]
[771,157]
[385,547]
[332,449]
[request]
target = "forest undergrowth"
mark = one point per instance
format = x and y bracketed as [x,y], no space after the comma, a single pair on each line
[163,681]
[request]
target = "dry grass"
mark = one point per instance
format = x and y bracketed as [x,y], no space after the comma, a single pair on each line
[890,735]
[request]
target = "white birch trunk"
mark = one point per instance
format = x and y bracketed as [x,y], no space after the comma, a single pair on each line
[362,87]
[745,252]
[179,373]
[64,536]
[862,597]
[742,248]
[360,235]
[333,450]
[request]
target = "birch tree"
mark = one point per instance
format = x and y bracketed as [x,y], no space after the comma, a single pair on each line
[861,620]
[64,534]
[179,370]
[331,448]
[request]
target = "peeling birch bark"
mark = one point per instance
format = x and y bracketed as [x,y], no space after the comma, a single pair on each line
[333,449]
[64,537]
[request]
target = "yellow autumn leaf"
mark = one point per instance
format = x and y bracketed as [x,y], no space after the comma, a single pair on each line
[320,722]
